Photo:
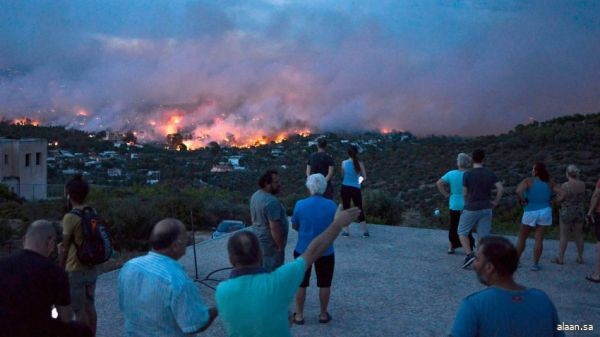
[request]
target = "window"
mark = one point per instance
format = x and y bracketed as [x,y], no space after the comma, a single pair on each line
[38,158]
[27,159]
[5,159]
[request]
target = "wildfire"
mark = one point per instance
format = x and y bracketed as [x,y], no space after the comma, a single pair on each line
[82,113]
[172,124]
[26,121]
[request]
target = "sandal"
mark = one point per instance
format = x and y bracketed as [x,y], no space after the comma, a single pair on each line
[328,319]
[592,279]
[557,261]
[297,321]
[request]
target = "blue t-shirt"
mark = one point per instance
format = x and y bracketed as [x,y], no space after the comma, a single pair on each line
[350,177]
[257,305]
[454,179]
[538,195]
[496,312]
[313,215]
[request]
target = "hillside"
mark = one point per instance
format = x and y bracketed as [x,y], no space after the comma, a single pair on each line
[402,171]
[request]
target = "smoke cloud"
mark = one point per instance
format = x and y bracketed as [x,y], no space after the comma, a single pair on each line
[241,70]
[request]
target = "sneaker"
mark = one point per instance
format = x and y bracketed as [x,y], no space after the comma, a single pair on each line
[366,235]
[345,233]
[535,267]
[468,260]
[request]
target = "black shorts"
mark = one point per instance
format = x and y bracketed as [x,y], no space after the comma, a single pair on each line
[324,268]
[349,193]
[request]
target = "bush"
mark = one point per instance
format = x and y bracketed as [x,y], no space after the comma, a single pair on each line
[381,206]
[5,232]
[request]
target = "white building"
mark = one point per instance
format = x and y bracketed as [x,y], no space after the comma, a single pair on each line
[23,167]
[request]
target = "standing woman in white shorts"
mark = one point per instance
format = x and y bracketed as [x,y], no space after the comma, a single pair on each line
[535,194]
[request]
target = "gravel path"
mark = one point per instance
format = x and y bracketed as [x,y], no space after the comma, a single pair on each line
[399,282]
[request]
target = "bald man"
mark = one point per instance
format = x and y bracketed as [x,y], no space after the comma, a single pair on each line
[30,284]
[156,295]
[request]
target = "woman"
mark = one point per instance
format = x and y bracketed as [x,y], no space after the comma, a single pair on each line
[310,218]
[572,214]
[456,202]
[353,175]
[535,194]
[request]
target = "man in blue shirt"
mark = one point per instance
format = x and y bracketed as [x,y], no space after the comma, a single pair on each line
[156,295]
[254,302]
[505,308]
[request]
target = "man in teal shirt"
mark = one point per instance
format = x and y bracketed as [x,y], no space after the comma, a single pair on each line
[255,303]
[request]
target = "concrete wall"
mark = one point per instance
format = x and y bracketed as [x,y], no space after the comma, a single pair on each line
[23,163]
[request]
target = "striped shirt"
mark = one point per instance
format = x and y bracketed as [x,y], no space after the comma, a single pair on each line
[158,298]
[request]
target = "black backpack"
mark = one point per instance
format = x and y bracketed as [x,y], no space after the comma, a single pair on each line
[96,246]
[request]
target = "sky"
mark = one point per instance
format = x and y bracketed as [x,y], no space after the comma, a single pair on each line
[236,69]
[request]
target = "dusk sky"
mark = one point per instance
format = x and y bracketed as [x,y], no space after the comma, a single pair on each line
[246,67]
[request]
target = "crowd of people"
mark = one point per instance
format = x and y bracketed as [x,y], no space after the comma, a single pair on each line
[158,298]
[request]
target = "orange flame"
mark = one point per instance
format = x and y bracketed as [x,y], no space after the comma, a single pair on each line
[82,113]
[26,121]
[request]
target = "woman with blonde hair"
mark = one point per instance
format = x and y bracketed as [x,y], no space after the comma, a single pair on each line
[572,215]
[450,186]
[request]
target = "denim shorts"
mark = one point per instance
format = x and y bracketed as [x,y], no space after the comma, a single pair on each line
[480,220]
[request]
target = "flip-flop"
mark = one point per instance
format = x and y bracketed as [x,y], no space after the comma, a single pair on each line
[326,320]
[295,321]
[591,279]
[557,261]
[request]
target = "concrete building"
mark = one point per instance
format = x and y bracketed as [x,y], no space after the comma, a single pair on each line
[23,167]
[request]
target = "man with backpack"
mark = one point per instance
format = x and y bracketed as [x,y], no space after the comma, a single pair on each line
[82,230]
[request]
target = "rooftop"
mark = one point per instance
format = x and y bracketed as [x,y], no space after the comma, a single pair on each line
[399,282]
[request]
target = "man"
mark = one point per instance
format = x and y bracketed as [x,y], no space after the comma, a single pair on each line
[477,214]
[30,284]
[270,220]
[505,308]
[594,216]
[156,295]
[254,302]
[321,162]
[82,277]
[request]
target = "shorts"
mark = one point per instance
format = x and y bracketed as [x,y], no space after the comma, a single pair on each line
[481,220]
[83,286]
[540,217]
[324,267]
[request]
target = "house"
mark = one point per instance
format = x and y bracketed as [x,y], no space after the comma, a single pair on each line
[23,167]
[234,161]
[114,172]
[152,177]
[222,167]
[277,152]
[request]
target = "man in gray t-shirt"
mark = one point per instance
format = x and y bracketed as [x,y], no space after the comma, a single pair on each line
[270,220]
[477,189]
